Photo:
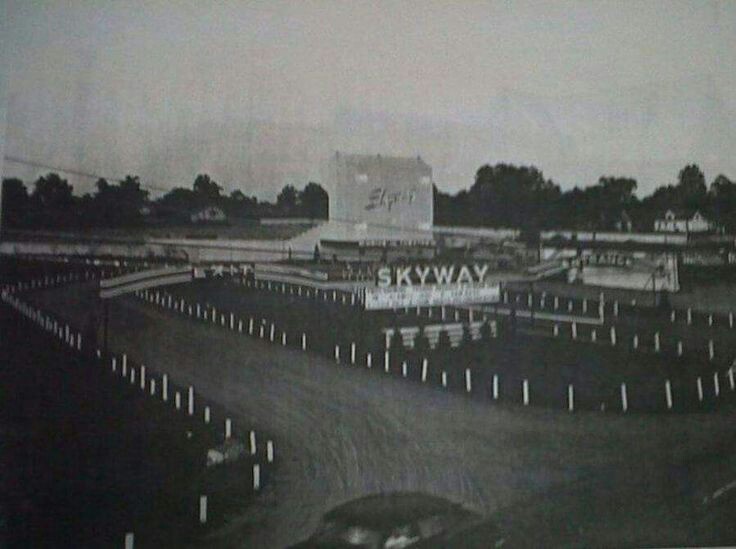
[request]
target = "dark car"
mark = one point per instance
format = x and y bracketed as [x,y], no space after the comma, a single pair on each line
[397,520]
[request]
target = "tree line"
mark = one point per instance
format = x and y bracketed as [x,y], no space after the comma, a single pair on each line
[503,195]
[51,204]
[521,197]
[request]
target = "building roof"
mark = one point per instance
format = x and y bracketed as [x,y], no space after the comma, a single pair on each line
[681,214]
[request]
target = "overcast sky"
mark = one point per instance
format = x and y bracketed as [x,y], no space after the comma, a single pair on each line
[258,94]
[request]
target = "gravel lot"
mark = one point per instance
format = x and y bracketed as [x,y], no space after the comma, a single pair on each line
[342,432]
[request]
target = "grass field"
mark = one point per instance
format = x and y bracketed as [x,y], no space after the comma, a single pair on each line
[544,475]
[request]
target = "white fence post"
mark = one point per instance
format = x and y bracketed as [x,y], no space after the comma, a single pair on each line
[624,398]
[468,381]
[203,509]
[129,540]
[165,388]
[403,369]
[386,360]
[207,414]
[256,477]
[570,398]
[495,386]
[613,336]
[668,394]
[337,353]
[656,342]
[525,392]
[269,451]
[424,370]
[228,428]
[304,342]
[253,443]
[699,383]
[716,384]
[190,403]
[444,379]
[352,353]
[368,360]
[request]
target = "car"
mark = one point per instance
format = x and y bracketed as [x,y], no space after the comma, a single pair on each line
[397,520]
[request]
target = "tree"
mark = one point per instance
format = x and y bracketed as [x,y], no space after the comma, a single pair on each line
[314,201]
[206,188]
[14,203]
[287,199]
[723,197]
[52,202]
[117,205]
[496,187]
[177,204]
[238,196]
[691,181]
[692,190]
[131,198]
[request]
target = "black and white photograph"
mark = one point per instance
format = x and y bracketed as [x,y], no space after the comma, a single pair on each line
[370,274]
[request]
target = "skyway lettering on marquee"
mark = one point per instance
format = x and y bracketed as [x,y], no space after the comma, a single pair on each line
[422,275]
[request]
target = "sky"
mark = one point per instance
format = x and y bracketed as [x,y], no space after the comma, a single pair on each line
[259,94]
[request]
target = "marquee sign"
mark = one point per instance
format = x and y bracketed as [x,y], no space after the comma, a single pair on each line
[423,275]
[394,297]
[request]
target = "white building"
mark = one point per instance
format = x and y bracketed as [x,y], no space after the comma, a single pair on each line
[673,223]
[210,214]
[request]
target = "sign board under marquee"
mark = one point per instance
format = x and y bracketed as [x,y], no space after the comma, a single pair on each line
[393,297]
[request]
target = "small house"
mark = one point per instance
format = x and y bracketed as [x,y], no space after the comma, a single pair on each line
[673,222]
[209,214]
